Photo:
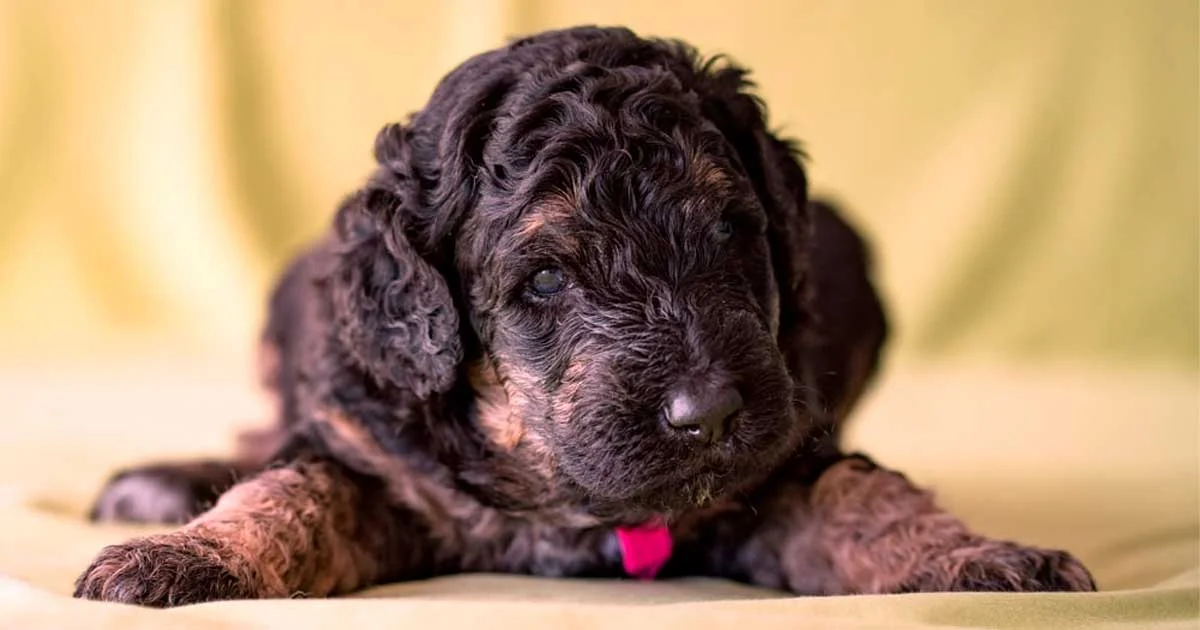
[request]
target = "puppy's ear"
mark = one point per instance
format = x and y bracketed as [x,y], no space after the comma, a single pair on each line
[393,311]
[775,168]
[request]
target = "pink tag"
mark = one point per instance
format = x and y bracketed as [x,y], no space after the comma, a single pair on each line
[645,549]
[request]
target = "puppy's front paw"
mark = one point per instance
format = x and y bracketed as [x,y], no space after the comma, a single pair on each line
[161,571]
[1004,566]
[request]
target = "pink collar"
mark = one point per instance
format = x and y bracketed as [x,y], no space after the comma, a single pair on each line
[645,548]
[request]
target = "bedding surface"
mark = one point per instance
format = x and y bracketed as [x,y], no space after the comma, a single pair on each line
[1103,464]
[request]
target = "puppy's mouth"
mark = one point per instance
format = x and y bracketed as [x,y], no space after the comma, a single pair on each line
[668,499]
[672,480]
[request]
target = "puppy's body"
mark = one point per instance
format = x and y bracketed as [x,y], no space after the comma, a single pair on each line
[585,290]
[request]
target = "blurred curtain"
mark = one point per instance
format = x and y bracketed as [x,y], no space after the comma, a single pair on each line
[1027,170]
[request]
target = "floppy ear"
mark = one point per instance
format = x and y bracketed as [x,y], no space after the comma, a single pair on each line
[774,166]
[393,311]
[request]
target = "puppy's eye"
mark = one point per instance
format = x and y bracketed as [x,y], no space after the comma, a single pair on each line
[724,229]
[547,282]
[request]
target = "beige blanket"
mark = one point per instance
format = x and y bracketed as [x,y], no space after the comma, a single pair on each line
[1102,464]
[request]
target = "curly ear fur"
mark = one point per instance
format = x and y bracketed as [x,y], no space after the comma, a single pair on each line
[774,166]
[441,151]
[393,310]
[397,314]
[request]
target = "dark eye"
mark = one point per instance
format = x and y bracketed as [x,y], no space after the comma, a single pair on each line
[724,229]
[547,282]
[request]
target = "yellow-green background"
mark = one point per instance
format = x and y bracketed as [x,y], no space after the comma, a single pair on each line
[1027,169]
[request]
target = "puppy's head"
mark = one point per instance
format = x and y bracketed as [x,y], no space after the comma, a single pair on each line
[595,231]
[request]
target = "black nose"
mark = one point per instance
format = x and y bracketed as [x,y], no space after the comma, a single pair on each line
[703,413]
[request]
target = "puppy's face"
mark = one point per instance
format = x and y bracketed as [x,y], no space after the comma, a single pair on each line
[619,280]
[610,221]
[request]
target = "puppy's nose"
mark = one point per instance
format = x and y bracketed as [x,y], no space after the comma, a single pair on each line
[703,413]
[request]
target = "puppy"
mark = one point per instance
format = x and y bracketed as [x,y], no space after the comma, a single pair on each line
[582,320]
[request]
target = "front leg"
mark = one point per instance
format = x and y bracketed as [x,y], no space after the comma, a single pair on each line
[309,528]
[864,529]
[884,535]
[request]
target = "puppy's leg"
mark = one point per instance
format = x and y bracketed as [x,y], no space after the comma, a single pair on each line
[310,528]
[877,533]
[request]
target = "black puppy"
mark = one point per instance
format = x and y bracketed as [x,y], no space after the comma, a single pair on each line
[582,320]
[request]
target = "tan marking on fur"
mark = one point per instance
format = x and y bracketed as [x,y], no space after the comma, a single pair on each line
[863,529]
[714,178]
[454,519]
[496,416]
[560,204]
[444,509]
[708,174]
[503,406]
[533,223]
[520,385]
[289,530]
[885,535]
[549,211]
[877,528]
[568,393]
[351,441]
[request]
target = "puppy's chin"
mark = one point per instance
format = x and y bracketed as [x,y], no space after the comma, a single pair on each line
[669,488]
[670,499]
